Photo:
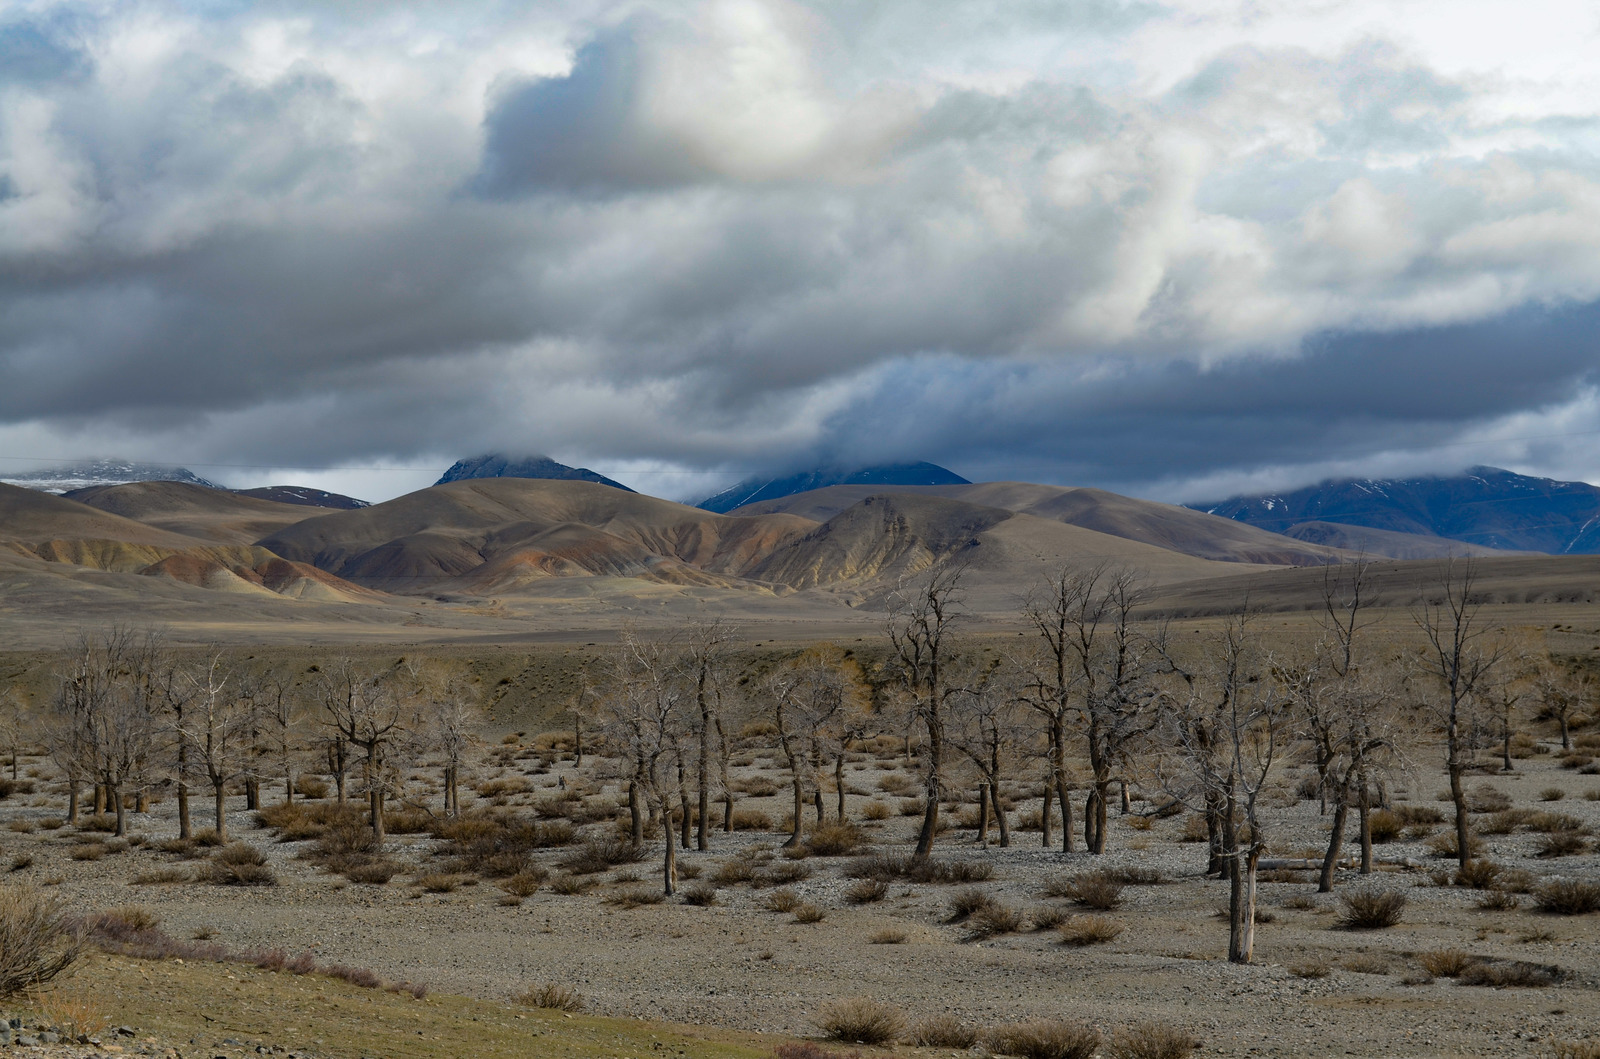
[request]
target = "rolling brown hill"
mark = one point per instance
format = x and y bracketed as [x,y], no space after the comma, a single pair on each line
[864,550]
[68,532]
[497,533]
[1387,544]
[1163,525]
[194,510]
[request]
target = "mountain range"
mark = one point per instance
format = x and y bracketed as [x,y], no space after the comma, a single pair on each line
[1486,508]
[755,490]
[497,465]
[502,555]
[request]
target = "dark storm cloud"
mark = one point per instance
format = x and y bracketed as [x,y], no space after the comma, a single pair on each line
[1044,239]
[1130,424]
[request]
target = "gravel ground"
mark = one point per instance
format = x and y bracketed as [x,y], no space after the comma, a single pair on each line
[738,964]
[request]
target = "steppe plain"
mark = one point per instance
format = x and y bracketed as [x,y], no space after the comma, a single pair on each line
[541,593]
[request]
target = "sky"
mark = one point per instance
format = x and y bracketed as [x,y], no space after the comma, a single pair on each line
[1179,250]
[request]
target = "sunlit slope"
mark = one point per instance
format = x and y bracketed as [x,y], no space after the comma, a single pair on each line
[499,531]
[873,544]
[194,510]
[1146,521]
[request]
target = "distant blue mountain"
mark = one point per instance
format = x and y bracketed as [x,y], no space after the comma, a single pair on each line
[1486,505]
[752,490]
[495,465]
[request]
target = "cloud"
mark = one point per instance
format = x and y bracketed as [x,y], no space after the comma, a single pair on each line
[1132,244]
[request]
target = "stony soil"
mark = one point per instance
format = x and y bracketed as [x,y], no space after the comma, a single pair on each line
[738,964]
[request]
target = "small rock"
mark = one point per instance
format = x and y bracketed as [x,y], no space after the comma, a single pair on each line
[49,1038]
[28,1042]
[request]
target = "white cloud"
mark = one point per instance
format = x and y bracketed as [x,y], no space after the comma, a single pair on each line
[302,234]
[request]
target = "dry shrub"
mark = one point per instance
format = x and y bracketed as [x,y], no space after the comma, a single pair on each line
[88,851]
[1503,974]
[1046,917]
[1371,909]
[310,787]
[1445,963]
[994,919]
[1310,969]
[1568,897]
[876,810]
[1552,794]
[1194,829]
[1301,903]
[967,902]
[861,1020]
[1046,1039]
[1478,874]
[501,845]
[1499,901]
[751,820]
[1561,844]
[207,837]
[104,823]
[1151,1040]
[809,913]
[1487,799]
[552,996]
[866,891]
[733,872]
[21,827]
[1133,876]
[635,897]
[887,936]
[784,901]
[375,872]
[1095,889]
[36,942]
[364,977]
[72,1012]
[238,864]
[1516,881]
[1444,845]
[524,883]
[442,882]
[597,855]
[834,840]
[1503,823]
[1384,826]
[571,885]
[161,877]
[1575,1049]
[1082,931]
[1550,823]
[943,1031]
[700,895]
[408,821]
[782,875]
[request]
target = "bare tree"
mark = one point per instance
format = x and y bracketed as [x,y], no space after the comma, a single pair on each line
[284,721]
[1460,662]
[374,715]
[985,727]
[808,699]
[1561,695]
[642,714]
[216,732]
[921,626]
[448,722]
[706,647]
[1222,741]
[16,727]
